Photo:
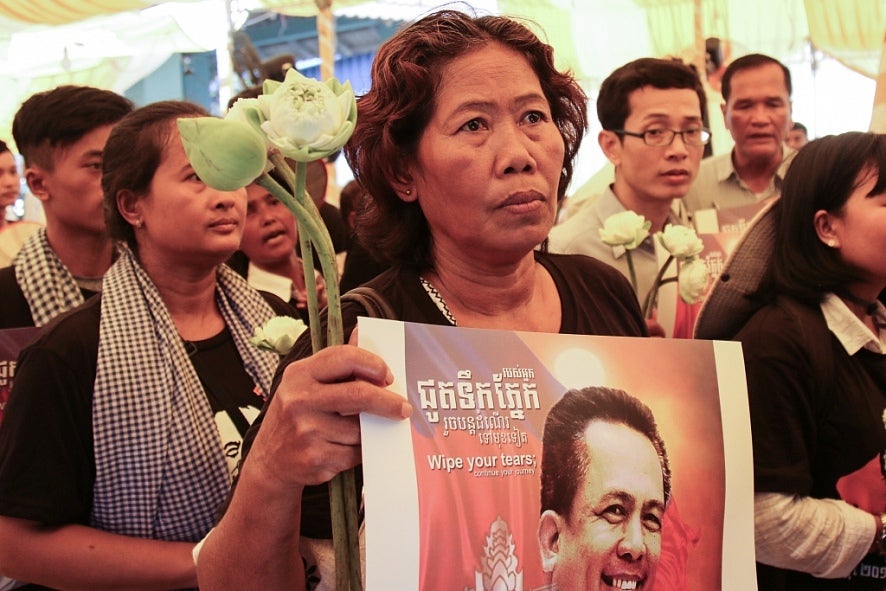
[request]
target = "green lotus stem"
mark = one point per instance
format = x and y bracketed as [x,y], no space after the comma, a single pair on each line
[309,227]
[296,181]
[321,242]
[649,303]
[340,544]
[349,480]
[631,269]
[314,235]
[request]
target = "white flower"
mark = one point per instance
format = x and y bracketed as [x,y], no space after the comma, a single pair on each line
[248,111]
[307,119]
[692,280]
[278,334]
[626,228]
[680,241]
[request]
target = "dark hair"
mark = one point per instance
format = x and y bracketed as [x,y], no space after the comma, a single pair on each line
[133,153]
[822,176]
[246,93]
[713,50]
[394,113]
[799,127]
[613,102]
[749,62]
[565,457]
[58,118]
[350,199]
[4,147]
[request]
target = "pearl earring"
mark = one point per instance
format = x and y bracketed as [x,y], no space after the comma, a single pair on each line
[832,243]
[409,191]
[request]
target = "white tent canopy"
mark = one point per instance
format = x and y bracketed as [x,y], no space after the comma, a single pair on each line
[115,43]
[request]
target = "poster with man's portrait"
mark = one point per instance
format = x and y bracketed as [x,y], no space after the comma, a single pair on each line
[544,461]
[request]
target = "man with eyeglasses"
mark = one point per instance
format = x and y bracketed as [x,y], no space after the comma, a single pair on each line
[757,110]
[651,111]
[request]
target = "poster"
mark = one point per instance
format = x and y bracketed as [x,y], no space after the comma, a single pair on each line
[720,231]
[12,340]
[733,220]
[452,496]
[716,250]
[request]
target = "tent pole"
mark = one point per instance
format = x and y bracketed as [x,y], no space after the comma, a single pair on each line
[326,46]
[223,58]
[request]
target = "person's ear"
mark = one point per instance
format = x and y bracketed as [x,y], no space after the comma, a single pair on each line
[726,121]
[549,527]
[611,145]
[404,187]
[130,208]
[36,179]
[826,229]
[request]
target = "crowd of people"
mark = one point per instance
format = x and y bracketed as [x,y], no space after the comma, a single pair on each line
[147,444]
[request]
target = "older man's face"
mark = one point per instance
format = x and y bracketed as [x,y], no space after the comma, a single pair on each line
[758,114]
[613,540]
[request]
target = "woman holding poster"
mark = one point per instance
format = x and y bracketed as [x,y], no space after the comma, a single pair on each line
[465,144]
[814,339]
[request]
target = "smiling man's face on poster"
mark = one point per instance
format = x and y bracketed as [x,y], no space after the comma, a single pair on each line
[612,538]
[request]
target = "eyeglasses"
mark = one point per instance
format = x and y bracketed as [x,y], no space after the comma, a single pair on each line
[658,136]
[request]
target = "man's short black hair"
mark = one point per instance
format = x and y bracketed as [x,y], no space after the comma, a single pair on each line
[749,62]
[565,452]
[58,118]
[613,102]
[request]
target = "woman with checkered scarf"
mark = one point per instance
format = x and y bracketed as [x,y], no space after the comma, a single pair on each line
[127,414]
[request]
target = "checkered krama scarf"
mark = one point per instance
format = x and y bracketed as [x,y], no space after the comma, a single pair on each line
[160,468]
[45,281]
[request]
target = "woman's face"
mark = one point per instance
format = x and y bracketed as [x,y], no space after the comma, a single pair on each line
[860,231]
[187,222]
[270,235]
[9,180]
[489,162]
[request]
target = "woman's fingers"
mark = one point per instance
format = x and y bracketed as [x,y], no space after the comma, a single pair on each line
[311,430]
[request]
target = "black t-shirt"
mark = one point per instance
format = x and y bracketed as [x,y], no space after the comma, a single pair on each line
[14,309]
[47,468]
[360,266]
[595,299]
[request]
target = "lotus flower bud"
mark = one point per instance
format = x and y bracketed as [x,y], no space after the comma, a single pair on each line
[680,241]
[226,155]
[306,119]
[248,111]
[278,334]
[627,229]
[692,280]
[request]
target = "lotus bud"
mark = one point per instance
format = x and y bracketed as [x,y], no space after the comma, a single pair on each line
[692,280]
[278,334]
[627,229]
[248,111]
[680,241]
[226,155]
